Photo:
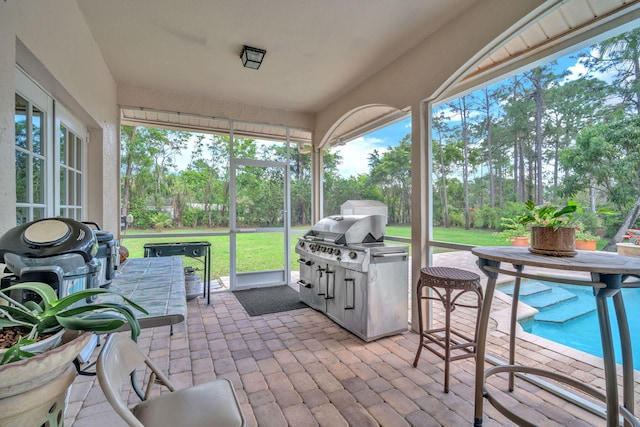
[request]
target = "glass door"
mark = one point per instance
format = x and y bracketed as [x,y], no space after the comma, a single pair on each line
[259,223]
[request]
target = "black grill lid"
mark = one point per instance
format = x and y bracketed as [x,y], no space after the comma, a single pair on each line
[49,237]
[47,232]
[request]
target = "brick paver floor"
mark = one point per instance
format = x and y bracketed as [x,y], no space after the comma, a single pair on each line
[299,368]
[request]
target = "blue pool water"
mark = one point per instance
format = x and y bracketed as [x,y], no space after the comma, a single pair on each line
[573,321]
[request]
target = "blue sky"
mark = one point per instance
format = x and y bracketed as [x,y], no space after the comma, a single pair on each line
[355,154]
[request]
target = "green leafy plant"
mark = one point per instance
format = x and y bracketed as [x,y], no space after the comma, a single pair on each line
[583,234]
[548,215]
[52,315]
[513,228]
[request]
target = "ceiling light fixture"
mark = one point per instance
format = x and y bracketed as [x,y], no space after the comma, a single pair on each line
[252,57]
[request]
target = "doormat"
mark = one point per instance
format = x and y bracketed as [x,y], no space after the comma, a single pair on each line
[273,299]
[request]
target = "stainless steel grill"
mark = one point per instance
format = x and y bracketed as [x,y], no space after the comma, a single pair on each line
[348,272]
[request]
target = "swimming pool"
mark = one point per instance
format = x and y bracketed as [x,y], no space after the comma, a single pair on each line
[579,326]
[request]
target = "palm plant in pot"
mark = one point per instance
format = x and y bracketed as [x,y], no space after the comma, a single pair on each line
[24,371]
[552,228]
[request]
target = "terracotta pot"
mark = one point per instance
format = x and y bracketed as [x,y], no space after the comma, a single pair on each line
[520,241]
[547,241]
[586,245]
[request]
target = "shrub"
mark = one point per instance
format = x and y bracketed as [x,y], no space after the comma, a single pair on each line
[487,217]
[456,219]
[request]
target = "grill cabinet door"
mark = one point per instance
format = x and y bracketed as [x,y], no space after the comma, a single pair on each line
[312,284]
[355,298]
[335,295]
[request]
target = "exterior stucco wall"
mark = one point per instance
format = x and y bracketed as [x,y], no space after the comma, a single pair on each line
[7,128]
[52,43]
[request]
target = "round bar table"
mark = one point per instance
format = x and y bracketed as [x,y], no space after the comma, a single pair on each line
[608,272]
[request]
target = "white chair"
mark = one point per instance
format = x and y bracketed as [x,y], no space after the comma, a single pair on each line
[210,404]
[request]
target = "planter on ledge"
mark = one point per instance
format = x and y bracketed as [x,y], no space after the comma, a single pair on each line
[586,245]
[628,249]
[547,241]
[520,241]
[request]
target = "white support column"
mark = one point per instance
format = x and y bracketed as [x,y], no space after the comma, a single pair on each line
[316,183]
[421,207]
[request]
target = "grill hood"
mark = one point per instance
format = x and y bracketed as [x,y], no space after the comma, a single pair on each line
[349,229]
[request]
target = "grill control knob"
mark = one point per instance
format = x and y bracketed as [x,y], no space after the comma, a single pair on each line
[336,251]
[353,255]
[301,244]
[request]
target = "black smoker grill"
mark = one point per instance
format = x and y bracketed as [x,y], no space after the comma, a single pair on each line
[57,251]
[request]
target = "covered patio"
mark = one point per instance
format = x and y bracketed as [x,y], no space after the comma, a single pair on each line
[299,368]
[177,65]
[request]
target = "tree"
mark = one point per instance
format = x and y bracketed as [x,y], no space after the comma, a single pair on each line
[540,77]
[461,107]
[135,158]
[608,154]
[570,106]
[487,107]
[620,55]
[440,127]
[518,110]
[391,173]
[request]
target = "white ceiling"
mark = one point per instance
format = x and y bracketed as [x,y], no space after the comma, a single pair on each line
[316,49]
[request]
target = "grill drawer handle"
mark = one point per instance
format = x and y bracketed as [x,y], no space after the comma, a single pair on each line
[304,261]
[331,295]
[390,255]
[320,270]
[351,306]
[305,284]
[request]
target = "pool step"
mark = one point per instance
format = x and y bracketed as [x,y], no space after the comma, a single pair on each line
[548,299]
[566,312]
[556,304]
[527,288]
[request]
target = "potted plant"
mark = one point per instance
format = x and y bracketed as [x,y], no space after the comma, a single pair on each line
[516,232]
[632,247]
[24,372]
[585,240]
[552,228]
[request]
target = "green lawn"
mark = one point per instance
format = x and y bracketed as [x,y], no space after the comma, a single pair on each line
[263,251]
[454,235]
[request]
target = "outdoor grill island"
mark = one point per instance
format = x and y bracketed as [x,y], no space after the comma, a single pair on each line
[349,273]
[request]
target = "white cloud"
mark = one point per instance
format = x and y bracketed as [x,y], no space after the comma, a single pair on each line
[579,70]
[355,155]
[575,72]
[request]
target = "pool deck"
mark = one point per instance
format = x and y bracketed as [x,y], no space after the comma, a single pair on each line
[299,368]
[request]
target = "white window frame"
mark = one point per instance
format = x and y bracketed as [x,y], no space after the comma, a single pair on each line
[63,118]
[34,95]
[54,116]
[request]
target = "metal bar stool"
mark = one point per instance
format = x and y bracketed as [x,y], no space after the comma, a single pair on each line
[448,284]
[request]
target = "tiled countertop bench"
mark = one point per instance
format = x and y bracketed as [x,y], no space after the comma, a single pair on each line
[157,284]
